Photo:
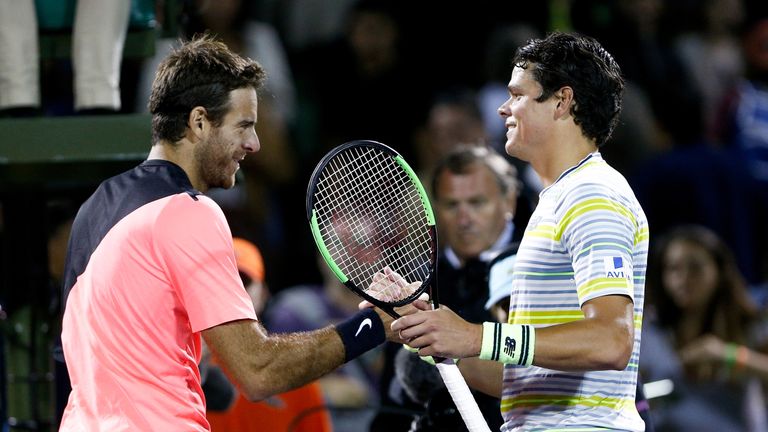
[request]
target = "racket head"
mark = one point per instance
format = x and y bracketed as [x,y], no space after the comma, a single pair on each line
[370,216]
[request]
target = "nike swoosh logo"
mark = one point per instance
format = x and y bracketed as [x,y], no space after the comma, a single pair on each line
[366,322]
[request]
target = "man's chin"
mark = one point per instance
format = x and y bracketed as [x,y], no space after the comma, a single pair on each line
[224,184]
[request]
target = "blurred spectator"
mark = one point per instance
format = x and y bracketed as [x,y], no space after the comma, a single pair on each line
[639,35]
[360,86]
[453,120]
[299,410]
[697,182]
[304,23]
[500,271]
[699,333]
[474,190]
[99,31]
[352,389]
[746,123]
[229,21]
[709,48]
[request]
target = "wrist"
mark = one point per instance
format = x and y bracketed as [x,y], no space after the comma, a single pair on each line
[508,343]
[736,356]
[742,357]
[361,333]
[730,355]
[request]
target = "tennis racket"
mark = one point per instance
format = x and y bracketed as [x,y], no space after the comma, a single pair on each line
[374,226]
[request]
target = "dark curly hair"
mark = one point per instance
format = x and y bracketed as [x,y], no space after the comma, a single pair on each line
[201,72]
[579,62]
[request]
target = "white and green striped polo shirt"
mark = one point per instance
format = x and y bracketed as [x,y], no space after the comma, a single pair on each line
[588,237]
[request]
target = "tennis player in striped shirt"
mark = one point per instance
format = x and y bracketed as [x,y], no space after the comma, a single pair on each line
[567,358]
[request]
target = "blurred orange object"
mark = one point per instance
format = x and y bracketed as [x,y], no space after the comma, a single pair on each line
[301,410]
[249,259]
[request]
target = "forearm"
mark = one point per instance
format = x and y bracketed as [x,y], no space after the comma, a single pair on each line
[600,341]
[265,364]
[483,375]
[584,345]
[288,361]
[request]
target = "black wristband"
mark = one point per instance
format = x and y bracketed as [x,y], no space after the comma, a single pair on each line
[361,333]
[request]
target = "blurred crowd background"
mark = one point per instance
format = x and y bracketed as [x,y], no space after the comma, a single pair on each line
[421,76]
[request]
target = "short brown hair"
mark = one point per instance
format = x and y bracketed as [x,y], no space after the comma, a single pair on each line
[462,159]
[201,72]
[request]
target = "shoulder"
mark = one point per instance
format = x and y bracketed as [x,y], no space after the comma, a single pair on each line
[190,209]
[195,222]
[596,183]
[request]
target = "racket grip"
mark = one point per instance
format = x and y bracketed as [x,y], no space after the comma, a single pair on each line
[461,396]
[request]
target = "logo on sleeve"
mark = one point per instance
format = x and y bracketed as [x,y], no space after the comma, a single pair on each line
[366,322]
[616,267]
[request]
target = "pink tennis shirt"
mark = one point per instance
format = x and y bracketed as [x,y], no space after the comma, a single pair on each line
[148,273]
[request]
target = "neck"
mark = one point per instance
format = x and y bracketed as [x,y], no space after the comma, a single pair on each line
[566,154]
[182,155]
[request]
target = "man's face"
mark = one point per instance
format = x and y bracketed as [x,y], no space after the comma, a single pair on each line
[528,121]
[471,210]
[219,154]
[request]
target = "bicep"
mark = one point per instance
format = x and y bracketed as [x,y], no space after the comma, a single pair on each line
[610,308]
[603,340]
[235,346]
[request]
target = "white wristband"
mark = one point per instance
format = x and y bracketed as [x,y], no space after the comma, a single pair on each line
[508,343]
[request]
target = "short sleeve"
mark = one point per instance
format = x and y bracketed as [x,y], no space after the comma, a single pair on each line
[598,232]
[194,242]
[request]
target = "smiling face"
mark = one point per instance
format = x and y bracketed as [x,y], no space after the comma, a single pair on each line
[472,210]
[219,154]
[528,121]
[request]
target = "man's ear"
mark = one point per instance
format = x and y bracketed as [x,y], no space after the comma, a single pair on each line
[198,121]
[565,102]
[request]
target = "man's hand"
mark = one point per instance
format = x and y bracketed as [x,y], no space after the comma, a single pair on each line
[387,285]
[387,319]
[439,332]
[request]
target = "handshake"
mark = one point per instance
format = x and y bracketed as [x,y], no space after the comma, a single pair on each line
[390,287]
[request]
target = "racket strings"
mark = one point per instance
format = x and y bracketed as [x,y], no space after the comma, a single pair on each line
[375,195]
[371,216]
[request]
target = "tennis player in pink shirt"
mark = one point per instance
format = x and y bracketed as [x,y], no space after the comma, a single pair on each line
[151,269]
